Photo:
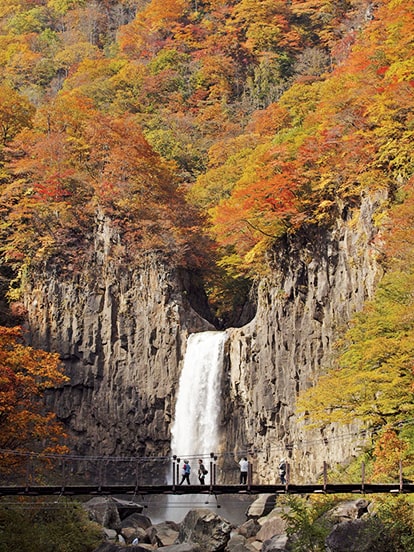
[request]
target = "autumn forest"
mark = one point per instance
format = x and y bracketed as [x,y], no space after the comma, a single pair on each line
[206,130]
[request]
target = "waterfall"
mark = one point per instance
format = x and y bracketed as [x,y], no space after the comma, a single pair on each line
[195,429]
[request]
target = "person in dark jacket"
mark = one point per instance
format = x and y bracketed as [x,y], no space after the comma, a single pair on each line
[202,472]
[282,471]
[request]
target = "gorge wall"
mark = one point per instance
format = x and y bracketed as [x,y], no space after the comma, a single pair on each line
[318,281]
[122,334]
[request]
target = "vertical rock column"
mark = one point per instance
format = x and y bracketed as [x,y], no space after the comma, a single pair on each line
[318,280]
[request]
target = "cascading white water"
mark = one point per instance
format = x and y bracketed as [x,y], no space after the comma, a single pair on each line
[195,428]
[194,433]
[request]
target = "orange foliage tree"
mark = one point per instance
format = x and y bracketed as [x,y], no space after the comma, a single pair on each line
[25,424]
[389,451]
[77,162]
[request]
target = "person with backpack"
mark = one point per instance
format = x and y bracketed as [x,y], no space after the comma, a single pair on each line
[185,472]
[202,472]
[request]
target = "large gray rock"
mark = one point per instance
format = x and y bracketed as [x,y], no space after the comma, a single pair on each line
[137,520]
[261,506]
[127,507]
[163,534]
[278,543]
[350,536]
[131,533]
[121,331]
[238,543]
[205,528]
[249,528]
[103,510]
[271,527]
[109,547]
[183,547]
[349,510]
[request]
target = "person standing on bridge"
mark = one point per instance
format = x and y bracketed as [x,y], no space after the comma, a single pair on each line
[244,468]
[185,472]
[202,472]
[282,471]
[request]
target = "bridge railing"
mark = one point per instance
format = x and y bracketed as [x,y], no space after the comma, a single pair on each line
[29,470]
[47,470]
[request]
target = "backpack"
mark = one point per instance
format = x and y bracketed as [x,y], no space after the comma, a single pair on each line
[204,470]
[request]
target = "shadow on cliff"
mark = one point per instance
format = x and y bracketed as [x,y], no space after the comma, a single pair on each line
[229,305]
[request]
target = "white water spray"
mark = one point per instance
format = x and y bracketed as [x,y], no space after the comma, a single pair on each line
[195,429]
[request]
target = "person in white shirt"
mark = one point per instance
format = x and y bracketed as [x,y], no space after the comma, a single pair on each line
[244,468]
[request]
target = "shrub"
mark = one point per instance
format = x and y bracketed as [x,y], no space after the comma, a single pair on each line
[31,526]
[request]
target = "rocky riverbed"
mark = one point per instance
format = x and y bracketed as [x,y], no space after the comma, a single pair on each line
[203,530]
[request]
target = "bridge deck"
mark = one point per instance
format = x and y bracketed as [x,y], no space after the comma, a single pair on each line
[206,489]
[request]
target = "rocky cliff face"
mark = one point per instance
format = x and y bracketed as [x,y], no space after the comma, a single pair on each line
[122,335]
[318,280]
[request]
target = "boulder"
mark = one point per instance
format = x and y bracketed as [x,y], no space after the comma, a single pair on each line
[103,510]
[126,507]
[137,520]
[254,545]
[110,534]
[349,536]
[163,534]
[271,526]
[183,547]
[236,544]
[109,547]
[261,506]
[131,533]
[206,528]
[349,510]
[249,528]
[277,543]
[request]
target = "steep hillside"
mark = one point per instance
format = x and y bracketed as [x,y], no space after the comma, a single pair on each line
[252,147]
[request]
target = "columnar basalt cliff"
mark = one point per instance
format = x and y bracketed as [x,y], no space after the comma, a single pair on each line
[319,279]
[122,334]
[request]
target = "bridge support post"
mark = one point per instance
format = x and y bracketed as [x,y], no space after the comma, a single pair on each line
[325,475]
[211,471]
[249,475]
[287,476]
[100,478]
[136,476]
[363,477]
[29,472]
[177,468]
[401,476]
[63,475]
[173,472]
